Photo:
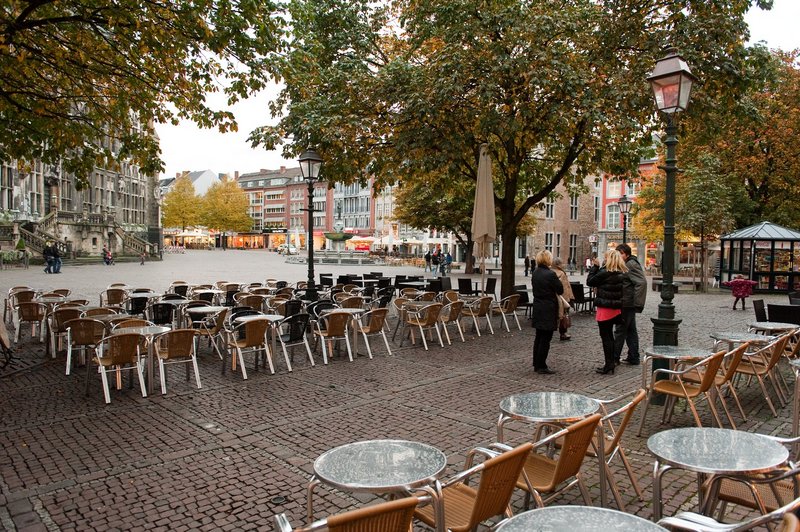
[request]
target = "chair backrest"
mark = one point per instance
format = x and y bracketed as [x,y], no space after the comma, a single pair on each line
[576,442]
[509,304]
[262,291]
[374,319]
[350,287]
[448,296]
[491,284]
[62,315]
[173,297]
[498,480]
[31,311]
[483,305]
[784,313]
[281,284]
[432,314]
[398,303]
[219,322]
[336,323]
[22,296]
[286,291]
[136,305]
[409,292]
[85,331]
[208,297]
[465,286]
[253,301]
[626,412]
[178,343]
[452,311]
[353,302]
[761,312]
[427,296]
[317,307]
[382,302]
[338,297]
[160,313]
[447,283]
[295,326]
[123,348]
[180,289]
[62,291]
[777,348]
[290,307]
[255,332]
[131,322]
[99,311]
[392,516]
[712,365]
[735,357]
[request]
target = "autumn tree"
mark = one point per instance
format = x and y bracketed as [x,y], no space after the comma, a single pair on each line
[224,207]
[83,82]
[181,206]
[556,90]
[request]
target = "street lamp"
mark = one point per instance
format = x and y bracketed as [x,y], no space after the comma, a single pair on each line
[310,165]
[671,82]
[624,205]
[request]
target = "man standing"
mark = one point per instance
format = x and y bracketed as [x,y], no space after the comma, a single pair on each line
[634,294]
[47,253]
[527,264]
[427,261]
[435,260]
[56,258]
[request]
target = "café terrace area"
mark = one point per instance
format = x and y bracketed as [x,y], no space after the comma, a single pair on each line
[235,452]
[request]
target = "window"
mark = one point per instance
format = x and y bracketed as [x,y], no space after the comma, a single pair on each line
[612,216]
[549,209]
[614,189]
[522,247]
[558,245]
[548,242]
[632,188]
[573,246]
[597,209]
[573,208]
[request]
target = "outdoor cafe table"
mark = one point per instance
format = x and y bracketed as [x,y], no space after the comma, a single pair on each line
[673,353]
[49,302]
[711,451]
[148,332]
[733,338]
[769,327]
[576,519]
[553,407]
[394,467]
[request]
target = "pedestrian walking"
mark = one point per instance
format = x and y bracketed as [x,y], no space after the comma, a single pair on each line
[741,288]
[565,301]
[144,256]
[56,258]
[436,259]
[608,281]
[47,253]
[527,264]
[448,262]
[634,295]
[546,291]
[427,261]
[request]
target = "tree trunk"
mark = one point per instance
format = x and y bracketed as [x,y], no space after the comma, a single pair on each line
[509,273]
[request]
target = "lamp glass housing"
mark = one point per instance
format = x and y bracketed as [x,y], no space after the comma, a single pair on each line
[310,165]
[625,204]
[672,82]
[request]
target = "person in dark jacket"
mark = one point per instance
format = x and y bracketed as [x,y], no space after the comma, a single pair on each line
[634,295]
[546,290]
[608,300]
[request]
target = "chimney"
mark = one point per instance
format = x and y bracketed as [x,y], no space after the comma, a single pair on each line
[283,169]
[263,170]
[236,174]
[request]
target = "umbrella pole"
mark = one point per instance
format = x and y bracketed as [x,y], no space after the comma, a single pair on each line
[483,274]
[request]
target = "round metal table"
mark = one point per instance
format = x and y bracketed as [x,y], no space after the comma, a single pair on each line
[380,466]
[576,519]
[550,407]
[734,338]
[772,326]
[672,353]
[711,451]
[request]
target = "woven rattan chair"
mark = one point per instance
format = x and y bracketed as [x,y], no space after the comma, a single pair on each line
[131,322]
[33,313]
[83,334]
[254,301]
[160,313]
[112,296]
[291,332]
[349,288]
[252,337]
[58,328]
[466,507]
[100,311]
[693,522]
[426,318]
[373,323]
[334,326]
[449,296]
[352,302]
[426,296]
[15,298]
[762,364]
[212,328]
[392,516]
[762,493]
[176,347]
[63,291]
[8,306]
[724,379]
[544,475]
[119,353]
[677,387]
[508,306]
[480,308]
[451,313]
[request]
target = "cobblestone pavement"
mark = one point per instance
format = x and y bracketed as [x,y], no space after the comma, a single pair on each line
[229,456]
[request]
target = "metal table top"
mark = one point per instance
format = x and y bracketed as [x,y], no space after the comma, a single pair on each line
[576,519]
[737,337]
[677,352]
[717,451]
[772,326]
[150,330]
[380,466]
[558,407]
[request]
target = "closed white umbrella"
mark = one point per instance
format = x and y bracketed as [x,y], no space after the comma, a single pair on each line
[484,223]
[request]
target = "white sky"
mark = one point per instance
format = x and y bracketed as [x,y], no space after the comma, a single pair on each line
[187,147]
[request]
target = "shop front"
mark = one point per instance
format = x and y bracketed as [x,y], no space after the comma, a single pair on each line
[766,253]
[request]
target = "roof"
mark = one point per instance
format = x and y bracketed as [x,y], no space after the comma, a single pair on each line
[763,231]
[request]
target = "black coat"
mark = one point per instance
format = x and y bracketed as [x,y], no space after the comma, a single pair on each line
[609,287]
[546,290]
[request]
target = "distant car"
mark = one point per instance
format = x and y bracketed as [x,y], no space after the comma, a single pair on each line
[288,249]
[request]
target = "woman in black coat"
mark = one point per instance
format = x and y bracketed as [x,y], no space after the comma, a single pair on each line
[546,291]
[608,300]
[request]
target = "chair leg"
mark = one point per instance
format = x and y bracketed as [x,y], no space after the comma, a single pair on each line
[386,341]
[140,372]
[714,410]
[631,475]
[489,322]
[446,334]
[424,342]
[644,412]
[436,326]
[460,330]
[286,356]
[324,352]
[196,370]
[475,322]
[241,362]
[163,376]
[366,341]
[69,354]
[347,342]
[694,412]
[584,491]
[725,408]
[766,395]
[268,356]
[516,318]
[505,321]
[613,485]
[736,398]
[308,350]
[104,378]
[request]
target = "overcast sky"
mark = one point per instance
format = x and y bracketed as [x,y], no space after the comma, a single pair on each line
[187,147]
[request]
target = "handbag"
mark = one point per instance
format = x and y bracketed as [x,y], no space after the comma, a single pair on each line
[565,322]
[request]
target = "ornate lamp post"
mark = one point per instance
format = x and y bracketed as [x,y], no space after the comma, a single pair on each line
[671,82]
[624,205]
[310,165]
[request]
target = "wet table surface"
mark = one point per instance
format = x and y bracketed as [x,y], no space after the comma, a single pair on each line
[576,519]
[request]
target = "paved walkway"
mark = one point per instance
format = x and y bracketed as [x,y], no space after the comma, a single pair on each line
[229,456]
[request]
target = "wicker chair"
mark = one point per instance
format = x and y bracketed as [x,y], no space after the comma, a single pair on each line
[33,313]
[506,306]
[254,340]
[677,387]
[392,516]
[544,475]
[333,326]
[58,328]
[16,296]
[211,327]
[352,302]
[124,351]
[176,347]
[451,313]
[724,381]
[291,332]
[480,308]
[8,307]
[372,323]
[112,296]
[83,334]
[426,318]
[762,364]
[131,322]
[465,507]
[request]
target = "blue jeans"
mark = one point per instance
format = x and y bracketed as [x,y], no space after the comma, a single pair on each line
[626,332]
[50,263]
[57,265]
[435,270]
